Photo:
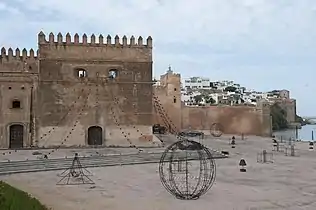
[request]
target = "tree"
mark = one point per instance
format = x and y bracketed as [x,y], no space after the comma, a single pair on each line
[210,100]
[278,114]
[198,99]
[230,89]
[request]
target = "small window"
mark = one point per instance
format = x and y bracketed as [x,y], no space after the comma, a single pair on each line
[113,73]
[16,104]
[174,100]
[175,89]
[81,73]
[10,88]
[22,87]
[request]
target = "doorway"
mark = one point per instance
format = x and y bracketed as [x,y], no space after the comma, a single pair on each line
[95,135]
[16,136]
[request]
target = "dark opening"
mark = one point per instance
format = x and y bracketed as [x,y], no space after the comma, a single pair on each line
[10,88]
[95,135]
[16,104]
[81,73]
[174,100]
[16,136]
[113,73]
[175,89]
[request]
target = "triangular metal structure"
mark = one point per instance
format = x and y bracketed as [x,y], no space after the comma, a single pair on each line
[76,174]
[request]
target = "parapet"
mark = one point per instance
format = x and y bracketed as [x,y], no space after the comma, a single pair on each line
[118,42]
[7,56]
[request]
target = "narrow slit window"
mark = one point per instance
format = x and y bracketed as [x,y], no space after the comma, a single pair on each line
[174,100]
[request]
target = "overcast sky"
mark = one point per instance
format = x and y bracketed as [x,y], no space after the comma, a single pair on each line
[261,44]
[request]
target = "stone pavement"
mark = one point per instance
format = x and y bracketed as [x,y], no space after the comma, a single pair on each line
[289,183]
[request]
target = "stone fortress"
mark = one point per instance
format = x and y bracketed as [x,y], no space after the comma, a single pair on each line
[80,93]
[76,92]
[232,119]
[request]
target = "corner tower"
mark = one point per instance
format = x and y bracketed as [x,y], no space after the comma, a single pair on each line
[169,94]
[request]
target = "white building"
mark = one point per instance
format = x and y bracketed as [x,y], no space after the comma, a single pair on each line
[197,83]
[188,98]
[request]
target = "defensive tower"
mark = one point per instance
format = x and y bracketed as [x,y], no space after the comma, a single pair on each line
[96,88]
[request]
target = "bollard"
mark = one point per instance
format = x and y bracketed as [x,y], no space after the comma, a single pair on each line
[292,150]
[242,164]
[233,143]
[264,154]
[311,145]
[278,147]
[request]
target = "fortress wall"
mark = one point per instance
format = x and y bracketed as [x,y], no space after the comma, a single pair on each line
[232,120]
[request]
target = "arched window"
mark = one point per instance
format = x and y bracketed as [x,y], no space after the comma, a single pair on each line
[113,73]
[16,104]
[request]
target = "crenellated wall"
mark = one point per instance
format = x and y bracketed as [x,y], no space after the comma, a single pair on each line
[121,49]
[17,61]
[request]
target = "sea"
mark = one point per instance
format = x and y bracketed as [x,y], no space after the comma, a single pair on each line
[306,133]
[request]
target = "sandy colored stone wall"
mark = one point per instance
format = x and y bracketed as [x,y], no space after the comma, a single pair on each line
[112,136]
[233,120]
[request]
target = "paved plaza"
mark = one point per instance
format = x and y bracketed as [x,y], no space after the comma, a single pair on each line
[287,183]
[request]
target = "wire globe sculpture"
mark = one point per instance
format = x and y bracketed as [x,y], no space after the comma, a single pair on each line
[216,130]
[187,169]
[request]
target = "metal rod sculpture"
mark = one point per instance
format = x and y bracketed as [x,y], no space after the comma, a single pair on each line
[75,175]
[265,157]
[187,169]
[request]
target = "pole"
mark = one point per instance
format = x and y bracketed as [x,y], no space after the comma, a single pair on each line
[296,133]
[312,135]
[31,125]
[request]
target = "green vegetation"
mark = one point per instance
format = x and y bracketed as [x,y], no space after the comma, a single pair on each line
[300,120]
[14,199]
[230,89]
[279,121]
[199,98]
[209,99]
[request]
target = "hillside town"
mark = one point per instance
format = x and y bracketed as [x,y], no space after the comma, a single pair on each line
[201,91]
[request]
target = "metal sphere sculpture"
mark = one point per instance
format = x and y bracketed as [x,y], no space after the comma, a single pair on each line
[187,169]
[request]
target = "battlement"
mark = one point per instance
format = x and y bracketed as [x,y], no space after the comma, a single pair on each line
[7,56]
[118,42]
